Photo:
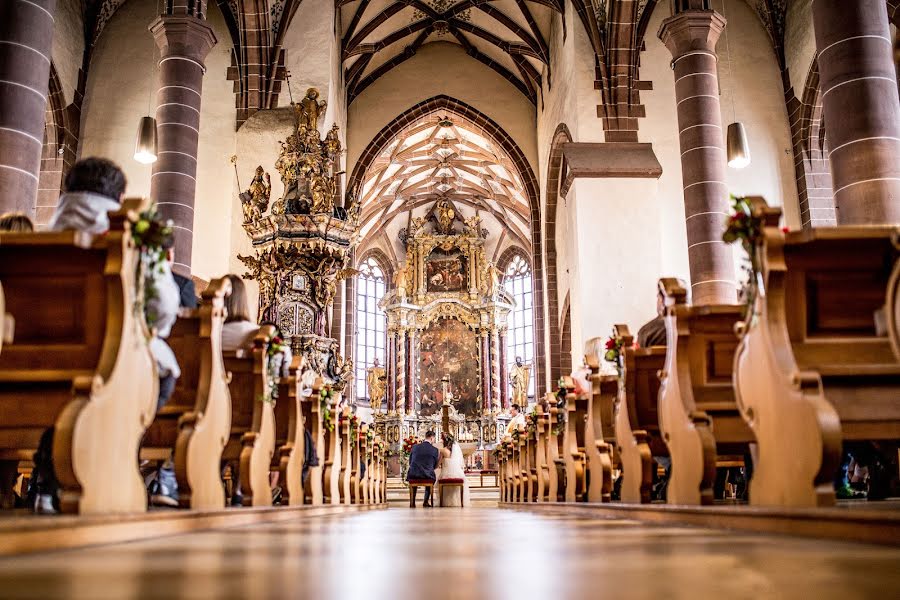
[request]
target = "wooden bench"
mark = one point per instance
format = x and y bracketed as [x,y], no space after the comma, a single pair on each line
[892,306]
[556,475]
[637,417]
[489,473]
[290,441]
[193,426]
[698,416]
[331,454]
[7,322]
[811,370]
[574,456]
[252,440]
[599,428]
[80,361]
[380,474]
[313,491]
[501,472]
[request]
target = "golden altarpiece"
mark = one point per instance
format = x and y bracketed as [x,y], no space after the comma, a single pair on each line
[446,334]
[303,246]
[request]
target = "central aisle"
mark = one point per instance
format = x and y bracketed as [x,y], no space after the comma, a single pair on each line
[438,554]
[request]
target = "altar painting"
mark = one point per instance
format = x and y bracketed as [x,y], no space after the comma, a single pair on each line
[448,347]
[445,271]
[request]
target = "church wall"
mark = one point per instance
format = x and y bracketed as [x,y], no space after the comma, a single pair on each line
[799,42]
[435,69]
[68,45]
[120,83]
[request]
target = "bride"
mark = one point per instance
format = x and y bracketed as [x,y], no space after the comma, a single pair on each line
[453,466]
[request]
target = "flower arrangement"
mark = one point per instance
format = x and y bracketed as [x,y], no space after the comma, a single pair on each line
[613,349]
[276,349]
[325,407]
[347,415]
[408,443]
[500,449]
[747,229]
[153,237]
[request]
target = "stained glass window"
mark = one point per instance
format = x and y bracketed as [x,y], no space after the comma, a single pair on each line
[520,335]
[370,322]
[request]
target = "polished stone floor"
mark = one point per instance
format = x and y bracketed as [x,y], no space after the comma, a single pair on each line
[439,554]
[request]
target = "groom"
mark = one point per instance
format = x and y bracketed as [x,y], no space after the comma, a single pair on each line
[422,461]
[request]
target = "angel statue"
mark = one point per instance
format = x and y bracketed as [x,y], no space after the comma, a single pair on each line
[445,216]
[255,201]
[401,281]
[376,377]
[311,108]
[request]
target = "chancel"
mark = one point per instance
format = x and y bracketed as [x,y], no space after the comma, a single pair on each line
[616,283]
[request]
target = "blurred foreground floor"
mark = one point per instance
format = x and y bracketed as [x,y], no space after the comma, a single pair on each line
[438,554]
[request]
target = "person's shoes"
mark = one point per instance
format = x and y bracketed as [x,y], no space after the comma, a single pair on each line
[237,500]
[845,492]
[879,482]
[43,505]
[276,494]
[164,489]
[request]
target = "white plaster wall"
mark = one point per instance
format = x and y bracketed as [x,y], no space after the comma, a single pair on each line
[440,68]
[121,80]
[68,45]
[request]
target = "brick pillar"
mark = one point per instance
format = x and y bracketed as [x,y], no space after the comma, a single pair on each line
[184,41]
[26,39]
[691,37]
[862,109]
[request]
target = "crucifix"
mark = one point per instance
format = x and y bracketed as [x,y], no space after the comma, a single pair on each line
[445,406]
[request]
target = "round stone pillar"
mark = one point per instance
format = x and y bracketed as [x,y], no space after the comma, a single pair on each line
[26,39]
[691,37]
[858,81]
[183,41]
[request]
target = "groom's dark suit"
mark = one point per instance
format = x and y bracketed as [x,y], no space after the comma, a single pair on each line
[422,461]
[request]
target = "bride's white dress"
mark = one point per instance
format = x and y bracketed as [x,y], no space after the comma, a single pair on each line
[454,468]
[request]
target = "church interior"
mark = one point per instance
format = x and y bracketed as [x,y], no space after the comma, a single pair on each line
[615,284]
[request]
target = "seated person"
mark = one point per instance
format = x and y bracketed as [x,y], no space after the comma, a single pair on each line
[423,460]
[653,333]
[95,187]
[16,223]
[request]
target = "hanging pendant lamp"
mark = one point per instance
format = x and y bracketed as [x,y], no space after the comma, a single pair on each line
[738,148]
[145,146]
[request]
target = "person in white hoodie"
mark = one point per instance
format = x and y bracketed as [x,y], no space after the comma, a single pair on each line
[94,188]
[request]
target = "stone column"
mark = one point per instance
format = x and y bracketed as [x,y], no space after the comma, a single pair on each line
[401,372]
[495,371]
[504,385]
[26,39]
[411,360]
[858,80]
[691,37]
[184,41]
[485,371]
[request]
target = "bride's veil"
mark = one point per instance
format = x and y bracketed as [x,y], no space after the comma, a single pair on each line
[459,466]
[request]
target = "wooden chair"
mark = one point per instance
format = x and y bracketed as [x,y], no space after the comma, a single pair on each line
[811,370]
[252,439]
[599,430]
[451,483]
[574,456]
[80,361]
[699,419]
[193,426]
[637,417]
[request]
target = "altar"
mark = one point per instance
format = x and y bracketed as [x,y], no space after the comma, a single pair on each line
[446,328]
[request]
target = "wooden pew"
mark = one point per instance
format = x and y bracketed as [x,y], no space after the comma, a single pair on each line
[557,488]
[7,322]
[525,465]
[541,474]
[509,451]
[574,455]
[313,490]
[194,425]
[331,467]
[252,439]
[698,416]
[892,306]
[501,470]
[80,361]
[365,480]
[599,429]
[290,420]
[380,470]
[810,370]
[637,418]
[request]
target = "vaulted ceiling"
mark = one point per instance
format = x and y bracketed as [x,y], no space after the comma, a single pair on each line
[442,156]
[509,36]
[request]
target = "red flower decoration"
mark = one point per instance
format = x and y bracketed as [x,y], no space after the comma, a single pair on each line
[610,344]
[785,230]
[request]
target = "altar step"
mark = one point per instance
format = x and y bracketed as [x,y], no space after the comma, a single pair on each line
[398,493]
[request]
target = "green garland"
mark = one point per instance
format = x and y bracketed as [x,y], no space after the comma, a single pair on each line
[325,407]
[150,235]
[747,229]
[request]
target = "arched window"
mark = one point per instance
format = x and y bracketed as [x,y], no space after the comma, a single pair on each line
[520,336]
[370,322]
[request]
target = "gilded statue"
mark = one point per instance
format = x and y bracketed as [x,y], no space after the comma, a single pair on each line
[493,280]
[376,378]
[255,201]
[311,109]
[445,216]
[401,281]
[333,141]
[519,377]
